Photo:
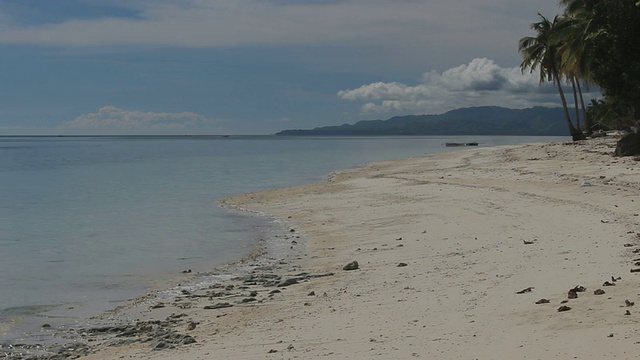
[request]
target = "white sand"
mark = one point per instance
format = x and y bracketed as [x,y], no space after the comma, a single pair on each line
[459,221]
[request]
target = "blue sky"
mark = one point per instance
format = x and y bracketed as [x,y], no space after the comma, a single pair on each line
[256,66]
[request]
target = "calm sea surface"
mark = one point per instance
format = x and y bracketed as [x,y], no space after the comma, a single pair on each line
[98,220]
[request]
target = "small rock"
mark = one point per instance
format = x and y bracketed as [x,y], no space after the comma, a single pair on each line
[598,292]
[572,294]
[627,312]
[351,266]
[288,282]
[563,308]
[606,283]
[402,264]
[525,290]
[272,351]
[629,303]
[579,288]
[220,305]
[542,301]
[313,293]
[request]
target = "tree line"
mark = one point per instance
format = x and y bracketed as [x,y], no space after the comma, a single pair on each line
[590,42]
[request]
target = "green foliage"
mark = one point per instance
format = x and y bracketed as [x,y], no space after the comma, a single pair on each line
[615,55]
[595,41]
[610,113]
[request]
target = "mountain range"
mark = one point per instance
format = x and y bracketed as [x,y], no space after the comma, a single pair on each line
[483,120]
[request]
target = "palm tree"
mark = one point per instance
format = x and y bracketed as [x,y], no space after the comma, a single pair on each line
[576,37]
[542,52]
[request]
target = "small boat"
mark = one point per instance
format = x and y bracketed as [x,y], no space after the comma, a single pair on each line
[450,144]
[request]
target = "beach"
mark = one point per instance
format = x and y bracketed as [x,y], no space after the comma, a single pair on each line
[454,252]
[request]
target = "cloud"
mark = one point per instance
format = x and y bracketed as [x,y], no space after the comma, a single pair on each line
[112,118]
[480,82]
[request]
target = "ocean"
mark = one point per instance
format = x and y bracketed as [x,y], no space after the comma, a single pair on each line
[88,223]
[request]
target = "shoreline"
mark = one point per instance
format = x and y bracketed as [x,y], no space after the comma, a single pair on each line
[444,243]
[53,330]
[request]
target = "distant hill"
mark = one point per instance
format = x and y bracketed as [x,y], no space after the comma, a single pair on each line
[484,120]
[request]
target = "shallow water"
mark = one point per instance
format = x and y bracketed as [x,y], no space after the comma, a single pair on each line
[89,222]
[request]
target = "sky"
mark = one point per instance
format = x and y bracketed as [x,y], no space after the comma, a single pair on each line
[257,66]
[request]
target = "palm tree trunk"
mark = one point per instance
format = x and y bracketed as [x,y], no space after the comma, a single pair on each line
[575,134]
[584,110]
[575,101]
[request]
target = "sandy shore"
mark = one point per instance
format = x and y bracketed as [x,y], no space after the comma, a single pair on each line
[444,243]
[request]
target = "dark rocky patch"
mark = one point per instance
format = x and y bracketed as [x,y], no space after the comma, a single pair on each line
[526,290]
[351,266]
[220,305]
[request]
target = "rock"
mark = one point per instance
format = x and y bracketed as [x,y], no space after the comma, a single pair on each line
[276,291]
[606,283]
[402,264]
[186,340]
[157,306]
[634,270]
[289,282]
[563,308]
[220,305]
[161,345]
[272,351]
[579,288]
[542,301]
[627,312]
[192,325]
[572,294]
[525,290]
[628,145]
[598,292]
[247,300]
[313,293]
[351,266]
[629,303]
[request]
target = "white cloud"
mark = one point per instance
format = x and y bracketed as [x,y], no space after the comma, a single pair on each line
[480,82]
[111,118]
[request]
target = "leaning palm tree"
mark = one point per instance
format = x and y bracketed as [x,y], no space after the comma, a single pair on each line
[577,36]
[541,52]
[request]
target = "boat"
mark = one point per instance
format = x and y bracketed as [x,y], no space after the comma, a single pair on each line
[450,144]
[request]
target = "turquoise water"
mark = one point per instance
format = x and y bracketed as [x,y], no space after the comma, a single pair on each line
[99,220]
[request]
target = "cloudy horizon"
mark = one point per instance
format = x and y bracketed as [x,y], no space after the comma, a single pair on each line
[257,66]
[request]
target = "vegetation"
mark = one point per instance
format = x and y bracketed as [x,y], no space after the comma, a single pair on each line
[591,42]
[483,120]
